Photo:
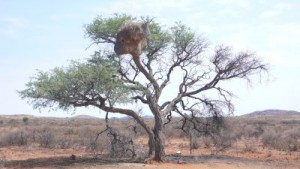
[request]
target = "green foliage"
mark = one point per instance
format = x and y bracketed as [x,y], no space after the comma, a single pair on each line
[25,119]
[182,36]
[159,39]
[77,84]
[104,30]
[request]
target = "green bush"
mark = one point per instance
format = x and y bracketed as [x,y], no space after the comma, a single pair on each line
[25,119]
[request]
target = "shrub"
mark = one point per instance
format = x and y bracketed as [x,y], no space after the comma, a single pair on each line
[207,142]
[195,144]
[25,119]
[252,131]
[222,141]
[19,138]
[64,143]
[269,138]
[100,146]
[291,139]
[249,145]
[287,140]
[46,138]
[22,138]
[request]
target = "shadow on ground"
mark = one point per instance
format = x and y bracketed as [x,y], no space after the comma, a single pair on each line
[60,162]
[68,161]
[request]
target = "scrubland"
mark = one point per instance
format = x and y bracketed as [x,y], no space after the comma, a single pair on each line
[243,142]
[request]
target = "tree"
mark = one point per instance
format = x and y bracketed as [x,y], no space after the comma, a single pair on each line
[175,54]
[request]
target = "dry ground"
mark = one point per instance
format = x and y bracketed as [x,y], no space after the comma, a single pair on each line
[37,157]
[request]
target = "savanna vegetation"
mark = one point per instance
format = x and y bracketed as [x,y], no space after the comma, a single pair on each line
[240,135]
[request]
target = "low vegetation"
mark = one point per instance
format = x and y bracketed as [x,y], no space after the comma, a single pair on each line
[250,133]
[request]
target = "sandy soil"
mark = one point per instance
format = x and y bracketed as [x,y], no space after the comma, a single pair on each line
[212,163]
[233,158]
[36,157]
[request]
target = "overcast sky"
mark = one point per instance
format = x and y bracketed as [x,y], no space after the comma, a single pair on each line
[45,34]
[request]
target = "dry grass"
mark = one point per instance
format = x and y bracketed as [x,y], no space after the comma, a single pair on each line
[260,140]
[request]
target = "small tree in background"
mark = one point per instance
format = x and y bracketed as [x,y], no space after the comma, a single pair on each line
[25,119]
[175,59]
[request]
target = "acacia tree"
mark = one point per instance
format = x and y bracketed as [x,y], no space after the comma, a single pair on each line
[174,56]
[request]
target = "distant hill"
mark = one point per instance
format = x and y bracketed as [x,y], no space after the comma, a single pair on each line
[18,116]
[85,117]
[272,112]
[129,117]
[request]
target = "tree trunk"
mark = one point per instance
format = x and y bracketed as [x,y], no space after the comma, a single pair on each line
[151,145]
[159,144]
[156,143]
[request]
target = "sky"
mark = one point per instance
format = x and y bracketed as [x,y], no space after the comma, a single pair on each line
[41,35]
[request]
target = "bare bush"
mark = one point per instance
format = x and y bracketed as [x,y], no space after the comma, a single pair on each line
[249,145]
[222,141]
[207,143]
[33,135]
[46,138]
[173,129]
[22,138]
[121,146]
[100,146]
[195,144]
[19,138]
[292,139]
[252,131]
[287,140]
[64,143]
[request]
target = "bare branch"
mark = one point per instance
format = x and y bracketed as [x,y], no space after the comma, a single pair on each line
[140,98]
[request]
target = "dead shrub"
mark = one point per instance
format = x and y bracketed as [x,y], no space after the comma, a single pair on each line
[100,146]
[252,131]
[46,138]
[121,146]
[249,146]
[195,144]
[269,138]
[207,142]
[222,141]
[287,140]
[64,143]
[291,139]
[19,138]
[22,138]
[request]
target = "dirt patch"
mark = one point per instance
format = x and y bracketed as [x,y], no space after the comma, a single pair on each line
[61,162]
[186,162]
